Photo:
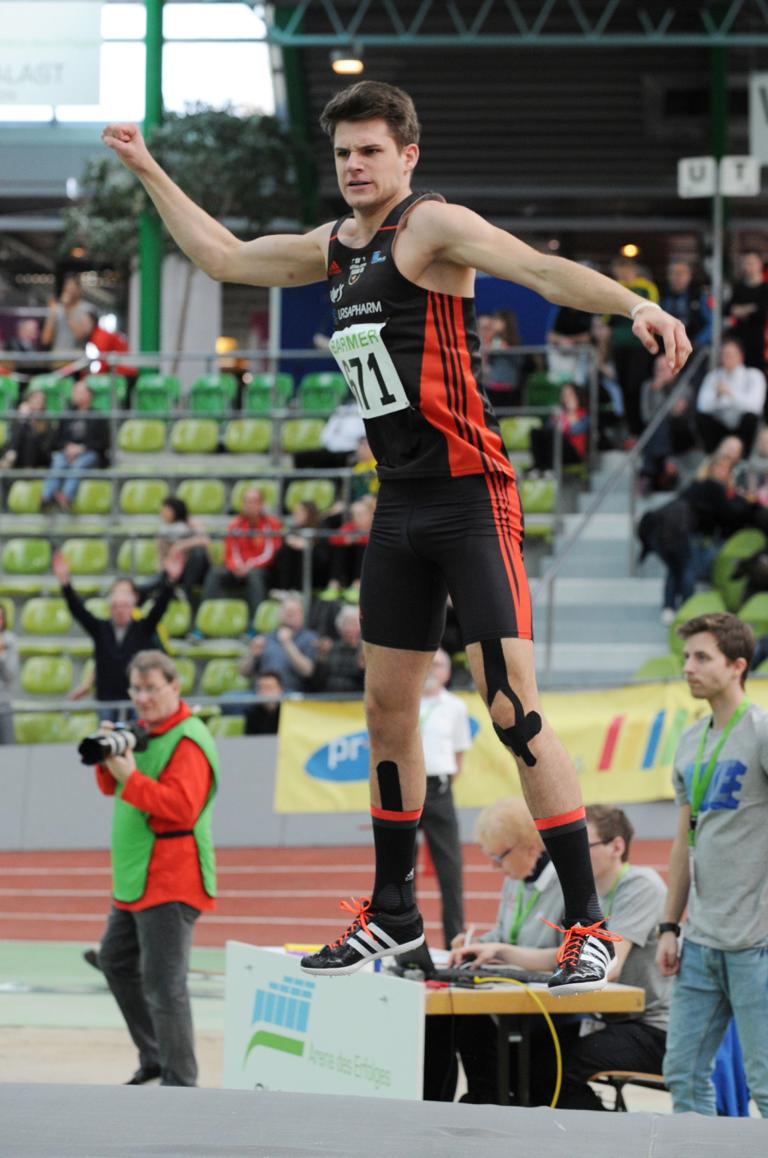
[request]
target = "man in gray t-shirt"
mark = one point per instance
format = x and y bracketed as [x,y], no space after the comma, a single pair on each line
[717,868]
[69,323]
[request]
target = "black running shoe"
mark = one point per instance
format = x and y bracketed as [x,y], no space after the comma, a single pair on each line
[371,935]
[585,959]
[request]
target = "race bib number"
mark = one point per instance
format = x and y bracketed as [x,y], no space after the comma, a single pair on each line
[364,361]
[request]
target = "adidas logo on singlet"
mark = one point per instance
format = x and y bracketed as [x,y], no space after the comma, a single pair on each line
[333,269]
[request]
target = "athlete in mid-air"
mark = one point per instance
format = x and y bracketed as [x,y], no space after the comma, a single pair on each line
[400,268]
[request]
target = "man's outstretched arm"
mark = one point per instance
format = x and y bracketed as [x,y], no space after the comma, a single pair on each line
[276,260]
[452,233]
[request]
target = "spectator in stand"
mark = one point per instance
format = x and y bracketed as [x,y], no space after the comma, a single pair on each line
[504,367]
[118,639]
[287,571]
[32,438]
[9,668]
[364,480]
[686,299]
[339,437]
[263,719]
[747,309]
[347,547]
[26,341]
[340,663]
[181,535]
[569,344]
[107,342]
[673,436]
[68,323]
[731,399]
[289,651]
[573,422]
[630,357]
[251,544]
[82,444]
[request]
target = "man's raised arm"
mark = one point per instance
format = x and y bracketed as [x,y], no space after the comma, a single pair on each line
[276,260]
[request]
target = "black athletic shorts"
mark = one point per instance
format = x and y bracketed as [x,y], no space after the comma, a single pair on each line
[433,537]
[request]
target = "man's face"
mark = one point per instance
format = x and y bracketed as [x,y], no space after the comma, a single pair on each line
[292,614]
[349,630]
[253,505]
[269,686]
[81,396]
[708,672]
[679,276]
[731,356]
[155,697]
[370,168]
[751,267]
[70,292]
[514,859]
[28,329]
[122,604]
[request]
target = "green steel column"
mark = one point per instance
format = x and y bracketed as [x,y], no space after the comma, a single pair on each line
[718,90]
[296,100]
[150,236]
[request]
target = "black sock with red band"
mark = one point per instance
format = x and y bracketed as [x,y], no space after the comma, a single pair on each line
[567,842]
[394,842]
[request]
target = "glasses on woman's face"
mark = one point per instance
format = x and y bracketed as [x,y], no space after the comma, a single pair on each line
[500,857]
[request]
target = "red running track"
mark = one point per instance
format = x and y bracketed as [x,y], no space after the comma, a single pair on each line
[267,896]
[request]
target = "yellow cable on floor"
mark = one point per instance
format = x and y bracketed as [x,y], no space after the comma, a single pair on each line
[550,1025]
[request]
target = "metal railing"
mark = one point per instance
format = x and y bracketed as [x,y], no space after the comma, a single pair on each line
[545,585]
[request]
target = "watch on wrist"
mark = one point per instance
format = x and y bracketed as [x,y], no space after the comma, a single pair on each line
[669,927]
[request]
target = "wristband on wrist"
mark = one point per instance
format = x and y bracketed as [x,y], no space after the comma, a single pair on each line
[669,927]
[642,306]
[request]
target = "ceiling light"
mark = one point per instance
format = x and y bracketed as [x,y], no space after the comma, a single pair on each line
[347,61]
[630,250]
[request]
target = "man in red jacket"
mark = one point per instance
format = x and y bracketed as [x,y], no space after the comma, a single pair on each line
[248,552]
[163,870]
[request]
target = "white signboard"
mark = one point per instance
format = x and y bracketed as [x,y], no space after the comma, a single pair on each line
[739,176]
[49,52]
[696,176]
[758,116]
[286,1030]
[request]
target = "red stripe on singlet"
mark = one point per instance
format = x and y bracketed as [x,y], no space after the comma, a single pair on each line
[507,515]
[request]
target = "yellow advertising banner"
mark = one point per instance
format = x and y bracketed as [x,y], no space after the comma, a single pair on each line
[622,742]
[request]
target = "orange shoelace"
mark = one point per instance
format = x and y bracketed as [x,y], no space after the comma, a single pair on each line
[568,953]
[360,909]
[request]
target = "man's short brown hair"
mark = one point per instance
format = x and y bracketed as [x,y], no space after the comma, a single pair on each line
[368,100]
[155,660]
[611,822]
[734,638]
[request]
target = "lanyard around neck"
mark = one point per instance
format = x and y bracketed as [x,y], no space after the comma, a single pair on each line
[609,896]
[700,781]
[521,911]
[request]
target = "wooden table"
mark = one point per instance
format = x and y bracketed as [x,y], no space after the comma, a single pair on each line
[511,1006]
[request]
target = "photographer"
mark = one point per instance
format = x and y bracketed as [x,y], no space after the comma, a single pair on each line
[163,864]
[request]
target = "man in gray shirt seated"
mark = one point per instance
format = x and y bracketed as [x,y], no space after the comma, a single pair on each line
[717,868]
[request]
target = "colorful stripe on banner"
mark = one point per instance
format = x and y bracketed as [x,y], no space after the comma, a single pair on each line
[611,740]
[654,738]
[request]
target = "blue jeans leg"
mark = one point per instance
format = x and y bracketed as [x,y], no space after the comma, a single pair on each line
[84,461]
[698,1020]
[747,979]
[52,479]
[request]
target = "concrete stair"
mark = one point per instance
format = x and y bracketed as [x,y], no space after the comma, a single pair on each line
[606,620]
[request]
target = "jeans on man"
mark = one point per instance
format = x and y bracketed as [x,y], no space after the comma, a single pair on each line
[64,475]
[712,986]
[145,958]
[221,582]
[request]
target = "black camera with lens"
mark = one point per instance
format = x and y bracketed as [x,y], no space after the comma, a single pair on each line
[103,745]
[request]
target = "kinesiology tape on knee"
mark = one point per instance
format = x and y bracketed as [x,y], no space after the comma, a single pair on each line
[527,725]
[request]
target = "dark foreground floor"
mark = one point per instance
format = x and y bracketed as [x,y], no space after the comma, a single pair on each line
[58,1121]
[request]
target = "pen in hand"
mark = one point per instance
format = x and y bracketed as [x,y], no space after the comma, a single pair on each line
[468,936]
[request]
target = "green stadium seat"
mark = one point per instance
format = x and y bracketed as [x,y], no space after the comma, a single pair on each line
[516,432]
[9,393]
[45,616]
[156,394]
[221,676]
[187,673]
[177,619]
[267,617]
[94,497]
[222,618]
[755,613]
[138,557]
[202,496]
[541,390]
[143,496]
[267,392]
[58,391]
[213,394]
[86,556]
[322,391]
[37,727]
[195,436]
[269,487]
[740,546]
[25,496]
[109,391]
[248,436]
[98,605]
[141,436]
[660,667]
[46,675]
[320,491]
[226,725]
[9,609]
[702,603]
[76,725]
[538,496]
[297,434]
[27,556]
